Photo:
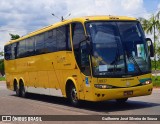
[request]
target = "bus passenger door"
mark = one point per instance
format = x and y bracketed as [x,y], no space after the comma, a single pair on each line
[85,68]
[82,57]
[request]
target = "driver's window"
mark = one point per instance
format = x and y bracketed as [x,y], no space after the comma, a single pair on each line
[84,55]
[78,35]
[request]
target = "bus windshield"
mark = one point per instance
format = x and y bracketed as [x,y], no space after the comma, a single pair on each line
[118,48]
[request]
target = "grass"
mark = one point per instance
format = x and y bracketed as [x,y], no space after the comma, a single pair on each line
[156,81]
[2,79]
[157,65]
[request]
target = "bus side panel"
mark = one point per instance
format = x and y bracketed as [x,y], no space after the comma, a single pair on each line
[53,82]
[65,67]
[10,69]
[47,65]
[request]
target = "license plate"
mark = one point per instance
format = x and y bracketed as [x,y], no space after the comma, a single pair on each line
[128,93]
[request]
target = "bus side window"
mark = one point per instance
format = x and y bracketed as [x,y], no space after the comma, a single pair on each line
[61,38]
[30,46]
[14,50]
[68,41]
[7,52]
[39,44]
[50,41]
[21,49]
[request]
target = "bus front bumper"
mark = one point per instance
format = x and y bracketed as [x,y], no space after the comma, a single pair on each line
[118,93]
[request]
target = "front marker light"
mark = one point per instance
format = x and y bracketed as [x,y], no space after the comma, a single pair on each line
[103,86]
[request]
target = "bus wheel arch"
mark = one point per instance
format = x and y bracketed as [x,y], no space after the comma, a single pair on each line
[72,92]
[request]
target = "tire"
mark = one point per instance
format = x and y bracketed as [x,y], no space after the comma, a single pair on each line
[73,96]
[17,90]
[23,92]
[121,101]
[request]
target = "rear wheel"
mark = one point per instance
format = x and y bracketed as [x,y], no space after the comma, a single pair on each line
[22,92]
[17,90]
[73,96]
[121,101]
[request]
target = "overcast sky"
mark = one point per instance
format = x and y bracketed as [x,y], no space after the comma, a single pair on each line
[23,16]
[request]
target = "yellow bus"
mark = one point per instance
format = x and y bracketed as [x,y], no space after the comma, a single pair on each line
[93,58]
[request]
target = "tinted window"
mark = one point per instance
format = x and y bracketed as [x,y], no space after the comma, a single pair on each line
[30,46]
[39,43]
[78,34]
[68,37]
[61,38]
[7,51]
[14,51]
[21,49]
[50,41]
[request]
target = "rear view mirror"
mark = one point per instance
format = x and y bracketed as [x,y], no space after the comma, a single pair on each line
[151,47]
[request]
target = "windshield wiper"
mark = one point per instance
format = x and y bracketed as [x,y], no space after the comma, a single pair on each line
[133,59]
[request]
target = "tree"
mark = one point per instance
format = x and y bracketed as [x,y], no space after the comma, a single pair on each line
[2,64]
[1,53]
[14,36]
[2,67]
[152,26]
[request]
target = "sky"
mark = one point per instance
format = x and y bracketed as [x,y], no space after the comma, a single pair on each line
[24,16]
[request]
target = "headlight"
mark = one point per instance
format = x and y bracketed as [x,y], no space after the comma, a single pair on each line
[103,86]
[145,81]
[148,82]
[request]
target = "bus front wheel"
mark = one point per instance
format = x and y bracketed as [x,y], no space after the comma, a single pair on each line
[73,96]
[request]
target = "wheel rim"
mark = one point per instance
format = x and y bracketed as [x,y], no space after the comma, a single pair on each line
[74,94]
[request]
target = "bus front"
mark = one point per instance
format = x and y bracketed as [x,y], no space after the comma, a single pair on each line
[119,58]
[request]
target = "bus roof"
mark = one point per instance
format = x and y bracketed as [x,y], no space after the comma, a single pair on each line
[79,19]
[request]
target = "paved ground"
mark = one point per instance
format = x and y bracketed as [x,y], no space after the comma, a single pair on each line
[47,105]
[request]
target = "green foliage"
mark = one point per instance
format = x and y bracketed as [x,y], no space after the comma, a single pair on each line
[1,53]
[2,79]
[156,81]
[157,65]
[152,26]
[2,67]
[14,36]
